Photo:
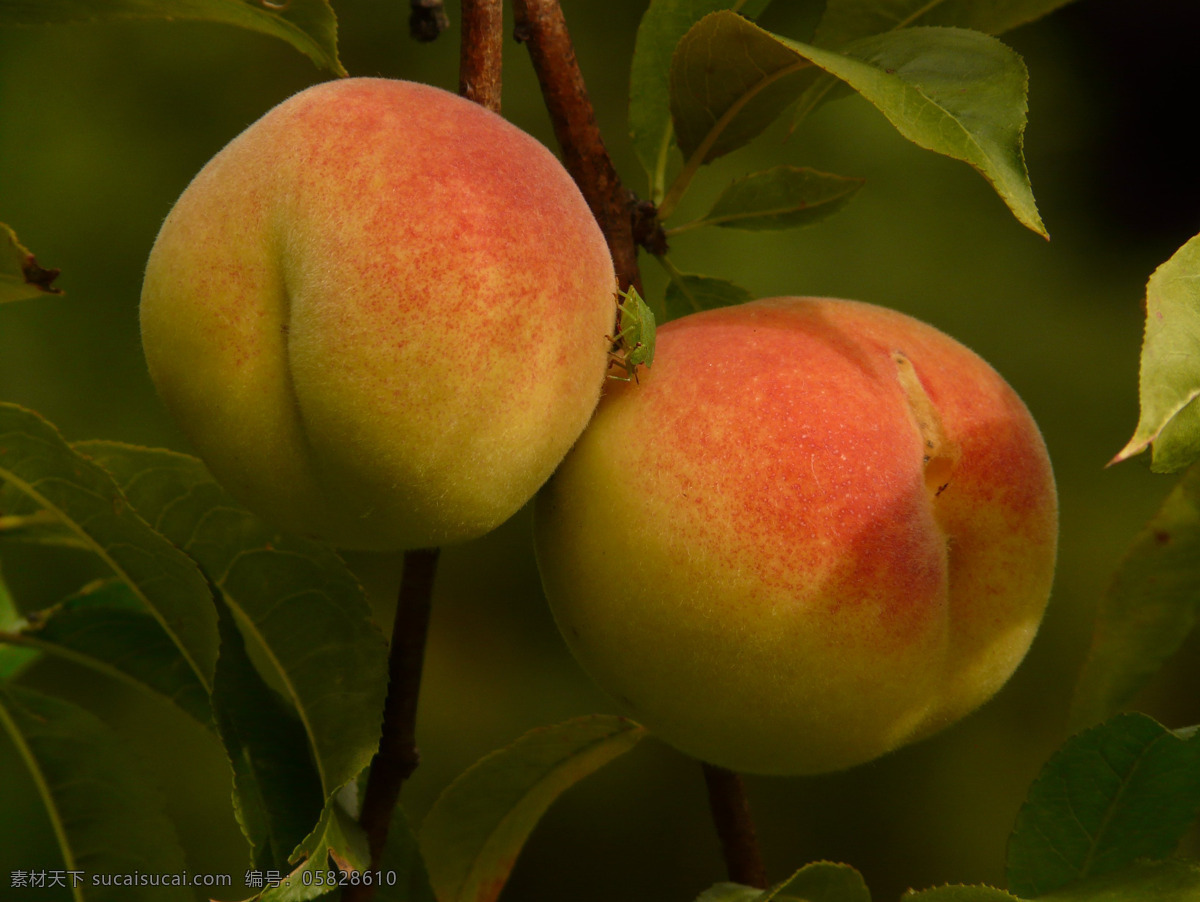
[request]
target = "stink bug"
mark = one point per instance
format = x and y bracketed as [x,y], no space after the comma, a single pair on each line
[634,342]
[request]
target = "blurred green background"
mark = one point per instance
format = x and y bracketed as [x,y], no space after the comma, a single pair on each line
[102,126]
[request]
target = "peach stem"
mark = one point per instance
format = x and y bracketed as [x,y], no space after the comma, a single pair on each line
[397,757]
[735,827]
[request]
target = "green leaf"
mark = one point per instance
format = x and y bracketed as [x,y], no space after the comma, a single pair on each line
[1149,609]
[105,627]
[1123,790]
[106,818]
[13,659]
[729,80]
[956,92]
[690,293]
[36,462]
[959,93]
[781,198]
[662,26]
[959,894]
[337,837]
[38,527]
[730,892]
[402,857]
[474,832]
[20,276]
[308,25]
[1161,881]
[294,598]
[277,791]
[1170,372]
[819,881]
[847,20]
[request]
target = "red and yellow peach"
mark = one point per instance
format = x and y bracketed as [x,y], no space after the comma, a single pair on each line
[816,530]
[379,315]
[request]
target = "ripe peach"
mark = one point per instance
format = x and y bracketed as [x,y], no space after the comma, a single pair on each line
[815,531]
[379,315]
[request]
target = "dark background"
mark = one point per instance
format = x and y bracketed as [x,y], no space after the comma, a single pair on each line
[101,127]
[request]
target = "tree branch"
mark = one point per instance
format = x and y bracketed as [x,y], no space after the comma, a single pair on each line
[397,757]
[735,827]
[541,27]
[479,57]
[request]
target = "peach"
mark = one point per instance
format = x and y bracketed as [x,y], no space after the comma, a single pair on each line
[379,315]
[816,530]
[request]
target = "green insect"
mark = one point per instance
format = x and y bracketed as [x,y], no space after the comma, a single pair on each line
[633,345]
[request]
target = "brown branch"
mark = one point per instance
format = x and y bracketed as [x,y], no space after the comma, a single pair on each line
[479,59]
[427,20]
[541,26]
[397,757]
[647,230]
[735,827]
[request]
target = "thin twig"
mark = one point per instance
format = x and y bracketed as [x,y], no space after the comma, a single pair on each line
[397,757]
[541,26]
[479,59]
[735,827]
